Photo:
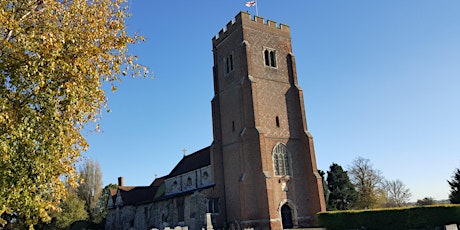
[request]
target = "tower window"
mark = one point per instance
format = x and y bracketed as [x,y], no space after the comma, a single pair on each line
[281,161]
[229,64]
[277,121]
[270,58]
[267,57]
[233,126]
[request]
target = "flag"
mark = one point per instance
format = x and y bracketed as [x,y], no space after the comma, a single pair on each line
[250,3]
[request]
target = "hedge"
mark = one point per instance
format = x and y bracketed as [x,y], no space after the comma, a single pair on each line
[425,217]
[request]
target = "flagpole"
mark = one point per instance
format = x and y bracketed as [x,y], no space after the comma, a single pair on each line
[257,10]
[251,4]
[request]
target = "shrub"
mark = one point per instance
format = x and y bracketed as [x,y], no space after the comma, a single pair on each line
[427,217]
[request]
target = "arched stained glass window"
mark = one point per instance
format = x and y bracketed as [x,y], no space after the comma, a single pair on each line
[281,160]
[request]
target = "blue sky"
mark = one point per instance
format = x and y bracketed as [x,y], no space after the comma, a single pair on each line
[381,80]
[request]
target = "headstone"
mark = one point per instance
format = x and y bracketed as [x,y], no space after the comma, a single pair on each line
[451,227]
[208,222]
[181,227]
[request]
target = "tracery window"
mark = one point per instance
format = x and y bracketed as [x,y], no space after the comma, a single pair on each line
[281,160]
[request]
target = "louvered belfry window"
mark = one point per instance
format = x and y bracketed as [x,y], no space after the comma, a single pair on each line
[270,58]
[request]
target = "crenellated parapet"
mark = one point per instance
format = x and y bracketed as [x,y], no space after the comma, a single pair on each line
[244,18]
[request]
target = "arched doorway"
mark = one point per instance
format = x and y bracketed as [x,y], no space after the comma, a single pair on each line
[286,216]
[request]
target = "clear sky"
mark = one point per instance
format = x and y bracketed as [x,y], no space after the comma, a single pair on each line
[381,80]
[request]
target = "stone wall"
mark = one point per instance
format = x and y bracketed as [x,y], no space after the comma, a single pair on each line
[195,179]
[187,210]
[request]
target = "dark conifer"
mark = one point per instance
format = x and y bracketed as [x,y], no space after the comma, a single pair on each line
[342,191]
[454,184]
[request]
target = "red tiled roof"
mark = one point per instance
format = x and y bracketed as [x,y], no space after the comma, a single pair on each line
[113,191]
[158,181]
[127,188]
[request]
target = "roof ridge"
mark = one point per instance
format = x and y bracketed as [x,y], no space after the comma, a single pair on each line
[184,165]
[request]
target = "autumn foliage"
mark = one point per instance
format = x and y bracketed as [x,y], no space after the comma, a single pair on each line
[54,56]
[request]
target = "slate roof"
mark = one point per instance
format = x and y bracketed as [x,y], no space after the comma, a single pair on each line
[133,195]
[198,159]
[137,195]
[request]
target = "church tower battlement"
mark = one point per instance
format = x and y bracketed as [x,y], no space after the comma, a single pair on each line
[246,18]
[268,173]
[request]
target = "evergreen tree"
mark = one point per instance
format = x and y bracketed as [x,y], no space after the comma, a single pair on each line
[102,202]
[342,192]
[454,184]
[325,188]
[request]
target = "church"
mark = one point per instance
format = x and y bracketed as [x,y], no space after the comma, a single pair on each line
[260,170]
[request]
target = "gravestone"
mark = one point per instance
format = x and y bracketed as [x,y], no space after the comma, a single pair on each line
[451,227]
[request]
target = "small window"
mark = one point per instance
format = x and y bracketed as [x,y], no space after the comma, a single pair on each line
[213,205]
[277,121]
[229,64]
[270,58]
[267,58]
[233,126]
[174,187]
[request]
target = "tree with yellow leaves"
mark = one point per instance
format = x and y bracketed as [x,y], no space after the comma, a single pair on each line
[54,57]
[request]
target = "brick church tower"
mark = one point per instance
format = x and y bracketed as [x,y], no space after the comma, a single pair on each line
[262,154]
